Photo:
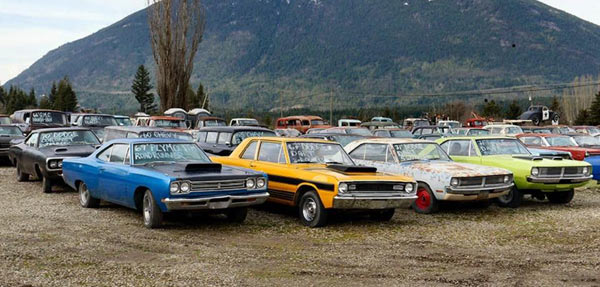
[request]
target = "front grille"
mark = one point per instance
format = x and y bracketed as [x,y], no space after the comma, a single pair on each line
[372,186]
[560,171]
[481,180]
[496,179]
[217,185]
[4,145]
[471,181]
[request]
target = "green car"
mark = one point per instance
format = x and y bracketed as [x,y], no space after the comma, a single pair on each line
[555,179]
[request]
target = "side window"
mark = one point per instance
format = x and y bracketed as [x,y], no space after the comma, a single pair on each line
[280,123]
[224,138]
[459,148]
[250,151]
[531,140]
[375,152]
[305,123]
[33,139]
[270,152]
[359,152]
[119,151]
[105,155]
[211,137]
[202,137]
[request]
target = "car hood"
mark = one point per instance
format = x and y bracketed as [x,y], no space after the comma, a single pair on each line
[454,169]
[508,161]
[321,170]
[178,171]
[68,151]
[5,140]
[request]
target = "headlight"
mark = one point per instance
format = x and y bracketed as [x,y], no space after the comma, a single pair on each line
[506,178]
[586,170]
[185,187]
[59,164]
[250,183]
[343,188]
[261,182]
[52,164]
[535,171]
[174,187]
[587,154]
[409,188]
[454,181]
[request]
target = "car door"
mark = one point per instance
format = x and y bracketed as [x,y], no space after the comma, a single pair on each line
[461,151]
[271,159]
[115,173]
[211,142]
[223,145]
[545,114]
[21,153]
[248,156]
[97,181]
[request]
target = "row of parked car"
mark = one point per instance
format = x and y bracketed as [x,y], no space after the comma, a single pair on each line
[160,170]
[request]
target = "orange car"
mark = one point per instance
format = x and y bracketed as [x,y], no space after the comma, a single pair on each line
[301,123]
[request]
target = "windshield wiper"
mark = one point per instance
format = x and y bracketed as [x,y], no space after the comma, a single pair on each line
[306,161]
[333,162]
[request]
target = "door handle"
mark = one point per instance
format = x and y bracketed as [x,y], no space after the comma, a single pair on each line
[102,169]
[252,165]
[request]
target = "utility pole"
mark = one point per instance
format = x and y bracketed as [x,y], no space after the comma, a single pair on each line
[281,105]
[331,107]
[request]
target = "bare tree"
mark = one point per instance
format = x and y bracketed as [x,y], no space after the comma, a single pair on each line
[176,30]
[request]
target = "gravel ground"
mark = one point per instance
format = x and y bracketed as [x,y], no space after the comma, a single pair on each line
[48,240]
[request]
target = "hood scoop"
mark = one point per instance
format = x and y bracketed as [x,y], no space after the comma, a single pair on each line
[61,149]
[525,157]
[351,168]
[557,158]
[203,167]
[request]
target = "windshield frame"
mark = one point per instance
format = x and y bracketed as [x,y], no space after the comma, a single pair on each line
[202,152]
[62,144]
[346,161]
[437,147]
[518,142]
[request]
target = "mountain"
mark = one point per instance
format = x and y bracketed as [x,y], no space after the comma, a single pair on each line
[255,50]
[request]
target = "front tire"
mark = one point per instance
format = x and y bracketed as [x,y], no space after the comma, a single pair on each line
[85,198]
[21,176]
[312,212]
[426,202]
[152,214]
[562,197]
[46,185]
[512,199]
[237,215]
[536,120]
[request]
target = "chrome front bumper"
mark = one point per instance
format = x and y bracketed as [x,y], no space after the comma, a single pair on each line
[215,202]
[561,179]
[373,202]
[474,190]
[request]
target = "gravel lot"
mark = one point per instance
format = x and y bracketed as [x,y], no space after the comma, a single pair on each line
[48,240]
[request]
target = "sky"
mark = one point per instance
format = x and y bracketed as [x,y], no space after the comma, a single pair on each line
[31,28]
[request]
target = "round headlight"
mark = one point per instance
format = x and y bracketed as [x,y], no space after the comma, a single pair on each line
[454,182]
[535,171]
[506,178]
[174,187]
[261,182]
[59,164]
[250,183]
[343,188]
[409,188]
[587,154]
[52,164]
[185,187]
[586,170]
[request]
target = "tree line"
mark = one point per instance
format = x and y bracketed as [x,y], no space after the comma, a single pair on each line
[62,97]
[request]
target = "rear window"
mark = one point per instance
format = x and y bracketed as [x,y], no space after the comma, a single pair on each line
[48,118]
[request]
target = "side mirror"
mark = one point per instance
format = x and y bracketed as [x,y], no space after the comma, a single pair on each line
[228,144]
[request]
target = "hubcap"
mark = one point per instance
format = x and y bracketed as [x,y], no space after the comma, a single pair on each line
[84,194]
[507,197]
[147,208]
[424,199]
[309,209]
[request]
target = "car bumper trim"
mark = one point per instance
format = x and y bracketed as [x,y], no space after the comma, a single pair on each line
[372,202]
[215,202]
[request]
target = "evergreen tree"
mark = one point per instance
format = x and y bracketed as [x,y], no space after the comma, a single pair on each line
[141,89]
[491,109]
[52,96]
[191,98]
[583,117]
[203,98]
[514,110]
[594,112]
[2,96]
[65,99]
[31,100]
[557,108]
[45,103]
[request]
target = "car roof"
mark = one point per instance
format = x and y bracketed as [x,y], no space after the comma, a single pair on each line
[60,129]
[485,137]
[233,129]
[39,110]
[540,135]
[166,118]
[286,140]
[138,129]
[149,140]
[390,141]
[121,117]
[210,118]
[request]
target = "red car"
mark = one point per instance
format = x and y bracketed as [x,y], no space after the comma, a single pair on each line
[476,122]
[557,142]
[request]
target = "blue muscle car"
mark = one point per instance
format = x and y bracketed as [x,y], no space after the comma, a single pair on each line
[163,175]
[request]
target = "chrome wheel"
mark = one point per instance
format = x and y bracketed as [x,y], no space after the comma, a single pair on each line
[309,209]
[84,195]
[147,208]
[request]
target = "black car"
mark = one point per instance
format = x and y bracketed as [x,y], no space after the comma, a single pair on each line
[8,133]
[130,132]
[223,140]
[29,120]
[539,114]
[42,152]
[96,123]
[342,139]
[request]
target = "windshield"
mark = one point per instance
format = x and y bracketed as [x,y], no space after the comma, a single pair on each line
[401,134]
[566,130]
[124,122]
[165,135]
[238,137]
[502,146]
[5,121]
[593,131]
[586,140]
[168,152]
[310,152]
[359,131]
[48,118]
[480,123]
[100,133]
[560,141]
[420,151]
[10,131]
[542,131]
[169,124]
[214,123]
[99,121]
[513,130]
[420,123]
[479,132]
[68,138]
[247,122]
[345,140]
[317,123]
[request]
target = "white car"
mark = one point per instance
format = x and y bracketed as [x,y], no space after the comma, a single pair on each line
[439,177]
[505,130]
